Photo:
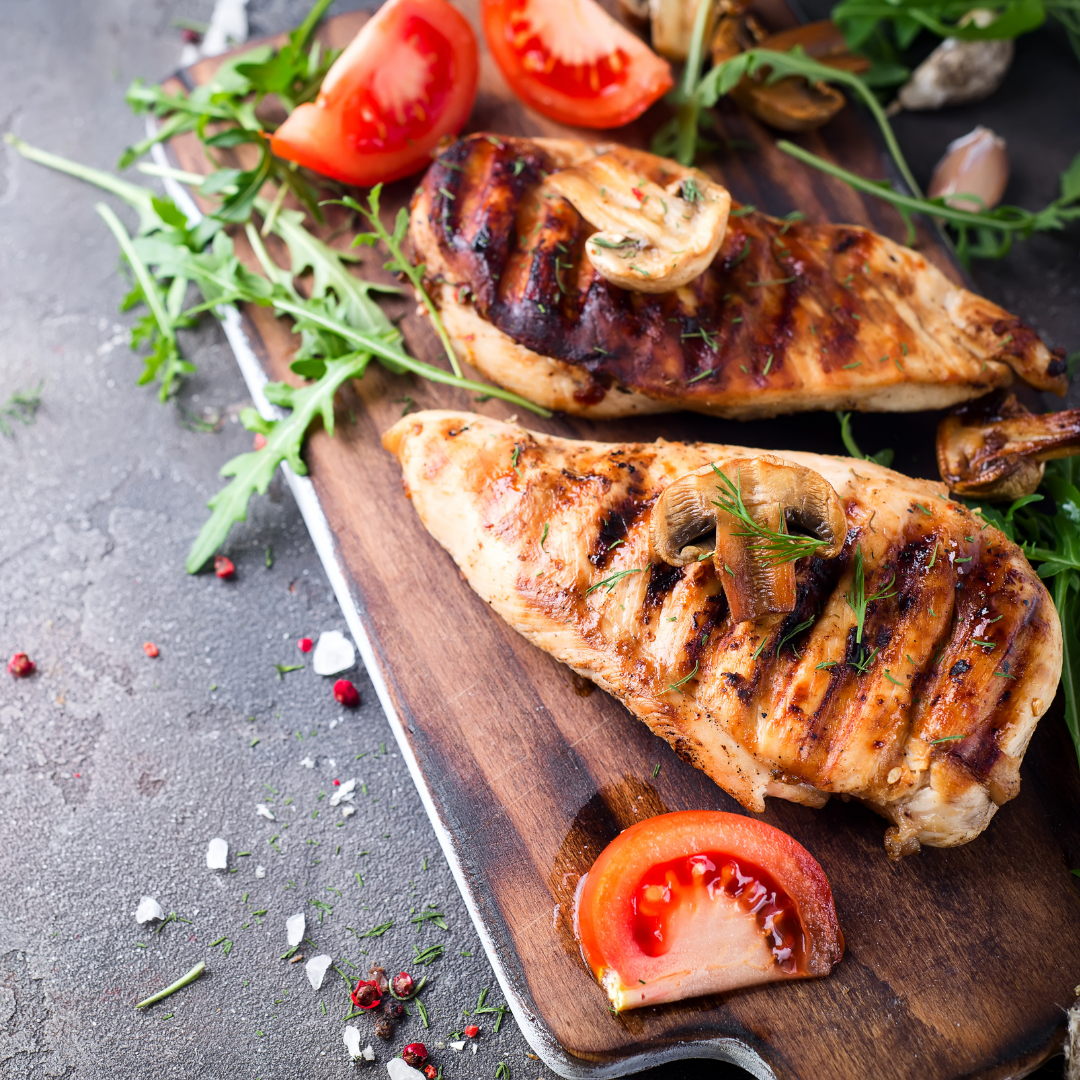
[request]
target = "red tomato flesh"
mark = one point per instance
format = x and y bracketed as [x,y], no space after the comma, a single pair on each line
[407,80]
[571,61]
[703,902]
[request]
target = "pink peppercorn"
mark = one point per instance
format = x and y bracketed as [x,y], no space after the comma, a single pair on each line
[304,644]
[20,665]
[346,694]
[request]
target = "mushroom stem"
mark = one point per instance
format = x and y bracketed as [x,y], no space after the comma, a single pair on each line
[742,512]
[995,448]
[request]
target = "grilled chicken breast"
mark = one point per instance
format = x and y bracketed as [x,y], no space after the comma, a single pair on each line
[789,316]
[926,720]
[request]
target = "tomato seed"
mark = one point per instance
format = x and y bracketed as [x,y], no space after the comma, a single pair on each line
[223,567]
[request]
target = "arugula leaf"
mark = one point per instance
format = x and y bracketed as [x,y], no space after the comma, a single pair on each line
[882,457]
[253,471]
[158,329]
[1051,541]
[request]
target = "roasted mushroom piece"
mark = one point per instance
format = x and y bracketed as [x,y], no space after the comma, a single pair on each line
[753,547]
[651,239]
[795,104]
[995,447]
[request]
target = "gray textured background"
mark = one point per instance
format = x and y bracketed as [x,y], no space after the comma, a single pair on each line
[116,770]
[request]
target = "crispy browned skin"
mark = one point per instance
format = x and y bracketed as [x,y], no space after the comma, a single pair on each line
[964,642]
[790,316]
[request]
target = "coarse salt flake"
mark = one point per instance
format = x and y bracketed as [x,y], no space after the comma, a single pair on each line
[260,871]
[369,1053]
[333,653]
[351,1036]
[307,762]
[348,811]
[344,793]
[398,1070]
[316,969]
[458,1046]
[264,811]
[295,925]
[217,854]
[149,910]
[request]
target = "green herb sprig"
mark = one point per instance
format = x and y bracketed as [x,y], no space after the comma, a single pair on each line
[856,596]
[882,457]
[776,547]
[22,407]
[1050,539]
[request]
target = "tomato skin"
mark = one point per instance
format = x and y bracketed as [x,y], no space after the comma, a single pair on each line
[352,133]
[621,90]
[608,920]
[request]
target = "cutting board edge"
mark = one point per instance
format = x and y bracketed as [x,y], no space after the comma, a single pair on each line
[537,1034]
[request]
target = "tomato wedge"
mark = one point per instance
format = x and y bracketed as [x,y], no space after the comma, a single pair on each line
[703,902]
[405,81]
[571,61]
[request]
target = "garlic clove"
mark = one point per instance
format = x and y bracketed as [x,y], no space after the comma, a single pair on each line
[959,72]
[973,172]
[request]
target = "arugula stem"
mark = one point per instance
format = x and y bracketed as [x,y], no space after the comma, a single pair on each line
[689,109]
[399,357]
[966,218]
[140,198]
[723,78]
[302,34]
[183,981]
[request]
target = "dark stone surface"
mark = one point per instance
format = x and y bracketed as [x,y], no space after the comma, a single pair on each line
[116,770]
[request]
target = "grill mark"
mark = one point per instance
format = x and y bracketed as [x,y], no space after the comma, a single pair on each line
[615,525]
[662,579]
[639,340]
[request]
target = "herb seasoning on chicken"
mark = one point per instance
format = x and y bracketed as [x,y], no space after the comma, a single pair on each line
[533,255]
[905,663]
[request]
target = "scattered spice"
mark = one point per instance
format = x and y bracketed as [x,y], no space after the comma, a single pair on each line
[150,649]
[223,567]
[259,441]
[346,694]
[20,665]
[383,1028]
[415,1054]
[472,1030]
[402,984]
[304,644]
[367,994]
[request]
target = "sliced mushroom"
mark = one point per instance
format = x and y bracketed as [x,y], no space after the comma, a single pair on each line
[673,25]
[821,41]
[689,523]
[995,447]
[795,104]
[650,239]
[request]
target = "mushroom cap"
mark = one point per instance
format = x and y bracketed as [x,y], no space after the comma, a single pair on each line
[649,238]
[995,447]
[690,522]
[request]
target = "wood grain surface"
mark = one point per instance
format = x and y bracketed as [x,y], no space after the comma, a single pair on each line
[959,963]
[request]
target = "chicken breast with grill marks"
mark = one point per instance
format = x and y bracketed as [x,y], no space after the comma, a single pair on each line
[925,720]
[788,316]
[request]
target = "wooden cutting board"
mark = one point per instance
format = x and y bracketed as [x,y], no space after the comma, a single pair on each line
[959,963]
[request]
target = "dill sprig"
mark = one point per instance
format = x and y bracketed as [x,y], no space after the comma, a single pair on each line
[776,547]
[611,581]
[857,599]
[21,406]
[793,633]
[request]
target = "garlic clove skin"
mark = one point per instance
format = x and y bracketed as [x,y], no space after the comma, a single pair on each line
[958,72]
[975,165]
